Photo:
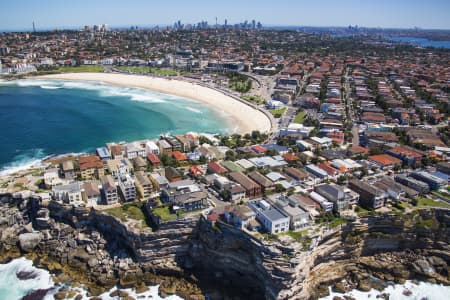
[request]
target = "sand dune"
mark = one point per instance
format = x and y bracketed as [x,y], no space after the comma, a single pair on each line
[244,116]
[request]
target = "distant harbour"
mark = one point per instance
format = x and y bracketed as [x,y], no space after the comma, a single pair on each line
[43,117]
[418,41]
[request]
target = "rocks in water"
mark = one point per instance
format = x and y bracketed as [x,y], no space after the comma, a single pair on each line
[423,267]
[36,294]
[407,292]
[26,275]
[28,241]
[364,285]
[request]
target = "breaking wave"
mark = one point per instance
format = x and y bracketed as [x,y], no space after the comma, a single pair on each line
[19,278]
[25,159]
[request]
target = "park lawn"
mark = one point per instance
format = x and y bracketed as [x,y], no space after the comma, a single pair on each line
[300,117]
[132,69]
[424,202]
[79,69]
[128,211]
[278,112]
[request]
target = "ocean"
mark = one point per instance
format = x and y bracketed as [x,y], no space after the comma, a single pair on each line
[51,117]
[13,288]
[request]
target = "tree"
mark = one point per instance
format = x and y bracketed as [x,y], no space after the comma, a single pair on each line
[230,155]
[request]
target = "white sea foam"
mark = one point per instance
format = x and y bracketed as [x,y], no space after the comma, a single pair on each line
[198,111]
[24,160]
[12,287]
[421,290]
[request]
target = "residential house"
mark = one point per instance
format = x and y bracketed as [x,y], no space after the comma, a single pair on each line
[271,218]
[266,184]
[410,156]
[385,161]
[116,151]
[369,196]
[239,215]
[71,193]
[51,178]
[335,194]
[127,188]
[134,150]
[298,217]
[92,193]
[326,205]
[434,182]
[109,190]
[172,174]
[165,147]
[151,147]
[139,163]
[154,160]
[144,186]
[68,169]
[417,185]
[185,195]
[216,168]
[118,167]
[252,188]
[91,166]
[103,153]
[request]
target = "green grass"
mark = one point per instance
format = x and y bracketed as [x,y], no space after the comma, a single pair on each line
[164,213]
[165,72]
[361,211]
[128,211]
[336,222]
[253,98]
[78,69]
[69,69]
[278,112]
[441,194]
[296,235]
[427,202]
[300,117]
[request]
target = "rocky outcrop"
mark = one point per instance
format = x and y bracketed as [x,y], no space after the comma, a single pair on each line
[192,257]
[29,241]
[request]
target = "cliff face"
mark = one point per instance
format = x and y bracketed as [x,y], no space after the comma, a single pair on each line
[193,257]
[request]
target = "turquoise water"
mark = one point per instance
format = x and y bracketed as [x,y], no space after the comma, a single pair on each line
[46,117]
[423,42]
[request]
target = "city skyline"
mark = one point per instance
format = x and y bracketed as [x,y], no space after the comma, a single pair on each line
[49,14]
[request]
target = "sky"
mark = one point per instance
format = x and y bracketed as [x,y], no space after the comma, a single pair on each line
[50,14]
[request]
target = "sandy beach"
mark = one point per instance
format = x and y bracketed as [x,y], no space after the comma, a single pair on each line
[244,116]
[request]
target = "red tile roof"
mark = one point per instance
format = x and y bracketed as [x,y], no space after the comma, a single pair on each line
[179,156]
[153,158]
[385,160]
[259,149]
[290,157]
[216,168]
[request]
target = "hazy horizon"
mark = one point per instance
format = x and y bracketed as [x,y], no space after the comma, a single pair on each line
[401,14]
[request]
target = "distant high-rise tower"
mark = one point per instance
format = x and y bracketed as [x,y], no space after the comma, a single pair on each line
[34,27]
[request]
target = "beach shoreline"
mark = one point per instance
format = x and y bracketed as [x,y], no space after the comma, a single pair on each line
[246,118]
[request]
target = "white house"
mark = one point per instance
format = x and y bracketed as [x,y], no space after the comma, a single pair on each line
[151,147]
[270,218]
[69,193]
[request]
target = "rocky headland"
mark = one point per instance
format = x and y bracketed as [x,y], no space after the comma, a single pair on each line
[192,257]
